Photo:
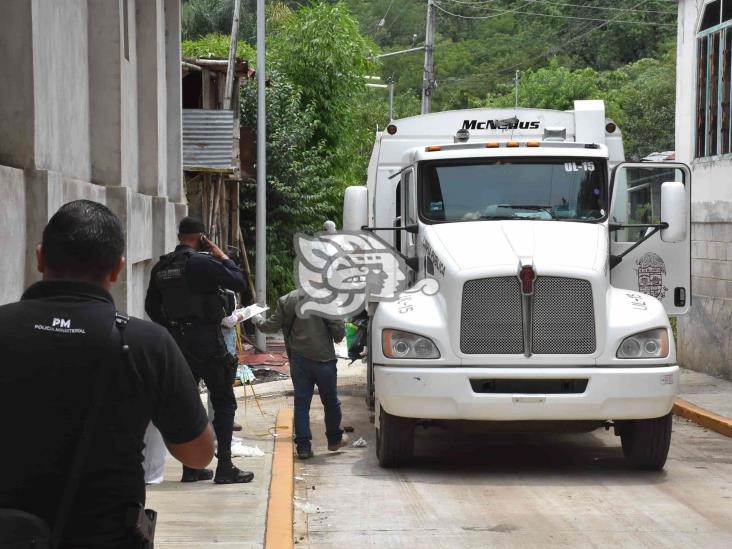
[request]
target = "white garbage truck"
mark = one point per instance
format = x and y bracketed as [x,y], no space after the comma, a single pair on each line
[557,267]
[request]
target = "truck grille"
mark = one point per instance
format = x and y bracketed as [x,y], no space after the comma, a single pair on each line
[563,316]
[491,319]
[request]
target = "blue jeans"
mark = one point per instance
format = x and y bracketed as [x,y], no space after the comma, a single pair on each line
[306,374]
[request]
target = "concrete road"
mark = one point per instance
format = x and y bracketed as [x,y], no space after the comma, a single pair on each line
[471,489]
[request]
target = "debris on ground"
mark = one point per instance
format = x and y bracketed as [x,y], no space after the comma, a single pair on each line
[360,443]
[308,508]
[265,375]
[239,449]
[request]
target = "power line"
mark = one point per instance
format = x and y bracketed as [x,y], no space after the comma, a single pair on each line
[439,7]
[573,39]
[405,5]
[605,8]
[518,10]
[382,21]
[549,51]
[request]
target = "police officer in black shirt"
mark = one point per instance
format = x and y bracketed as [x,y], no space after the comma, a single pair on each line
[56,343]
[186,296]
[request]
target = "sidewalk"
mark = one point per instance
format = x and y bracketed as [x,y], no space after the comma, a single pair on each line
[707,400]
[204,514]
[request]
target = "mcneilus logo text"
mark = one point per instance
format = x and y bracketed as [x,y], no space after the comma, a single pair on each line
[511,124]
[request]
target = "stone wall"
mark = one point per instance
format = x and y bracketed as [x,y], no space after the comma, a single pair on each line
[704,335]
[77,109]
[705,338]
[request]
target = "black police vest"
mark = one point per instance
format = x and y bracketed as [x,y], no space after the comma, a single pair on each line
[180,303]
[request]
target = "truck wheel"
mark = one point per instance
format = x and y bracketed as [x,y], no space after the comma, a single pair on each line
[394,439]
[646,442]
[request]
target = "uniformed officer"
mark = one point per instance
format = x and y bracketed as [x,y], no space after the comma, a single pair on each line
[63,363]
[186,296]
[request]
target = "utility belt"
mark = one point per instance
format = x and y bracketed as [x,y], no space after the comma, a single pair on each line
[181,327]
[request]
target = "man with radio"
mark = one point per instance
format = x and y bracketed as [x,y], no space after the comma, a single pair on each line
[186,295]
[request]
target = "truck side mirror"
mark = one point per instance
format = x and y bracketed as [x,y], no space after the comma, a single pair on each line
[673,211]
[355,208]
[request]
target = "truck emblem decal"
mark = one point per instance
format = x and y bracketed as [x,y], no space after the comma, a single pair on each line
[506,124]
[527,278]
[339,273]
[651,271]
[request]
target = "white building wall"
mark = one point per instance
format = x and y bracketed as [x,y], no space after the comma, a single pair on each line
[705,340]
[70,128]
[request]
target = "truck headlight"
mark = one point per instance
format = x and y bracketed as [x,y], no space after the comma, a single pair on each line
[650,344]
[398,344]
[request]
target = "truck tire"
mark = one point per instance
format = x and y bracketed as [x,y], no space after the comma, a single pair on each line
[646,442]
[394,439]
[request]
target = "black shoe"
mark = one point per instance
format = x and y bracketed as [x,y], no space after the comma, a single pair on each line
[229,474]
[194,475]
[335,446]
[303,452]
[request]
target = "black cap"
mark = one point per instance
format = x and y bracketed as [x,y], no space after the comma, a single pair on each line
[191,225]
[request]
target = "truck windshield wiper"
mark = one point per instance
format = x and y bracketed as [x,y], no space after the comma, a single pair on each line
[498,217]
[535,207]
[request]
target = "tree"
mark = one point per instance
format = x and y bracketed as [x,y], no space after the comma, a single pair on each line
[321,51]
[642,101]
[301,190]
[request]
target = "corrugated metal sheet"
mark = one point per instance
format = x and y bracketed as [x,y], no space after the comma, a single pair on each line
[208,139]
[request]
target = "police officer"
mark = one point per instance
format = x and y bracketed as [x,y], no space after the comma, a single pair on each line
[186,295]
[63,362]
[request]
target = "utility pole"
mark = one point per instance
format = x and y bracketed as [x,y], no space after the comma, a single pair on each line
[232,57]
[428,79]
[516,85]
[261,221]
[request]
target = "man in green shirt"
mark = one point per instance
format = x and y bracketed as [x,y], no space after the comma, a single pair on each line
[309,343]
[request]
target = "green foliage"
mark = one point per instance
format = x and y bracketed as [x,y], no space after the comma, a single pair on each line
[641,99]
[552,87]
[301,190]
[202,17]
[638,96]
[216,46]
[321,51]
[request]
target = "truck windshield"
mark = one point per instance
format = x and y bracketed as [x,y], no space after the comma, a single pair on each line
[510,188]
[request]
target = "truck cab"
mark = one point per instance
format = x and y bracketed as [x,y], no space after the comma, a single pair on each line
[553,268]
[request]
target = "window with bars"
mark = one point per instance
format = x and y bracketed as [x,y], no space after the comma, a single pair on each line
[714,80]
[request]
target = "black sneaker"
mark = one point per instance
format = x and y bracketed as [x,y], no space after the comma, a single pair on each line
[229,474]
[194,475]
[335,446]
[303,452]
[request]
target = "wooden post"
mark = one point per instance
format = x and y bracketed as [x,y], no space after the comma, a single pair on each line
[229,85]
[206,89]
[205,205]
[223,213]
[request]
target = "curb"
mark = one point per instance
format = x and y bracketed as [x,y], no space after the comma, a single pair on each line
[279,524]
[705,418]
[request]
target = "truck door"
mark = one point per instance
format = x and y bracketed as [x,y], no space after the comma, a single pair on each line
[650,232]
[408,213]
